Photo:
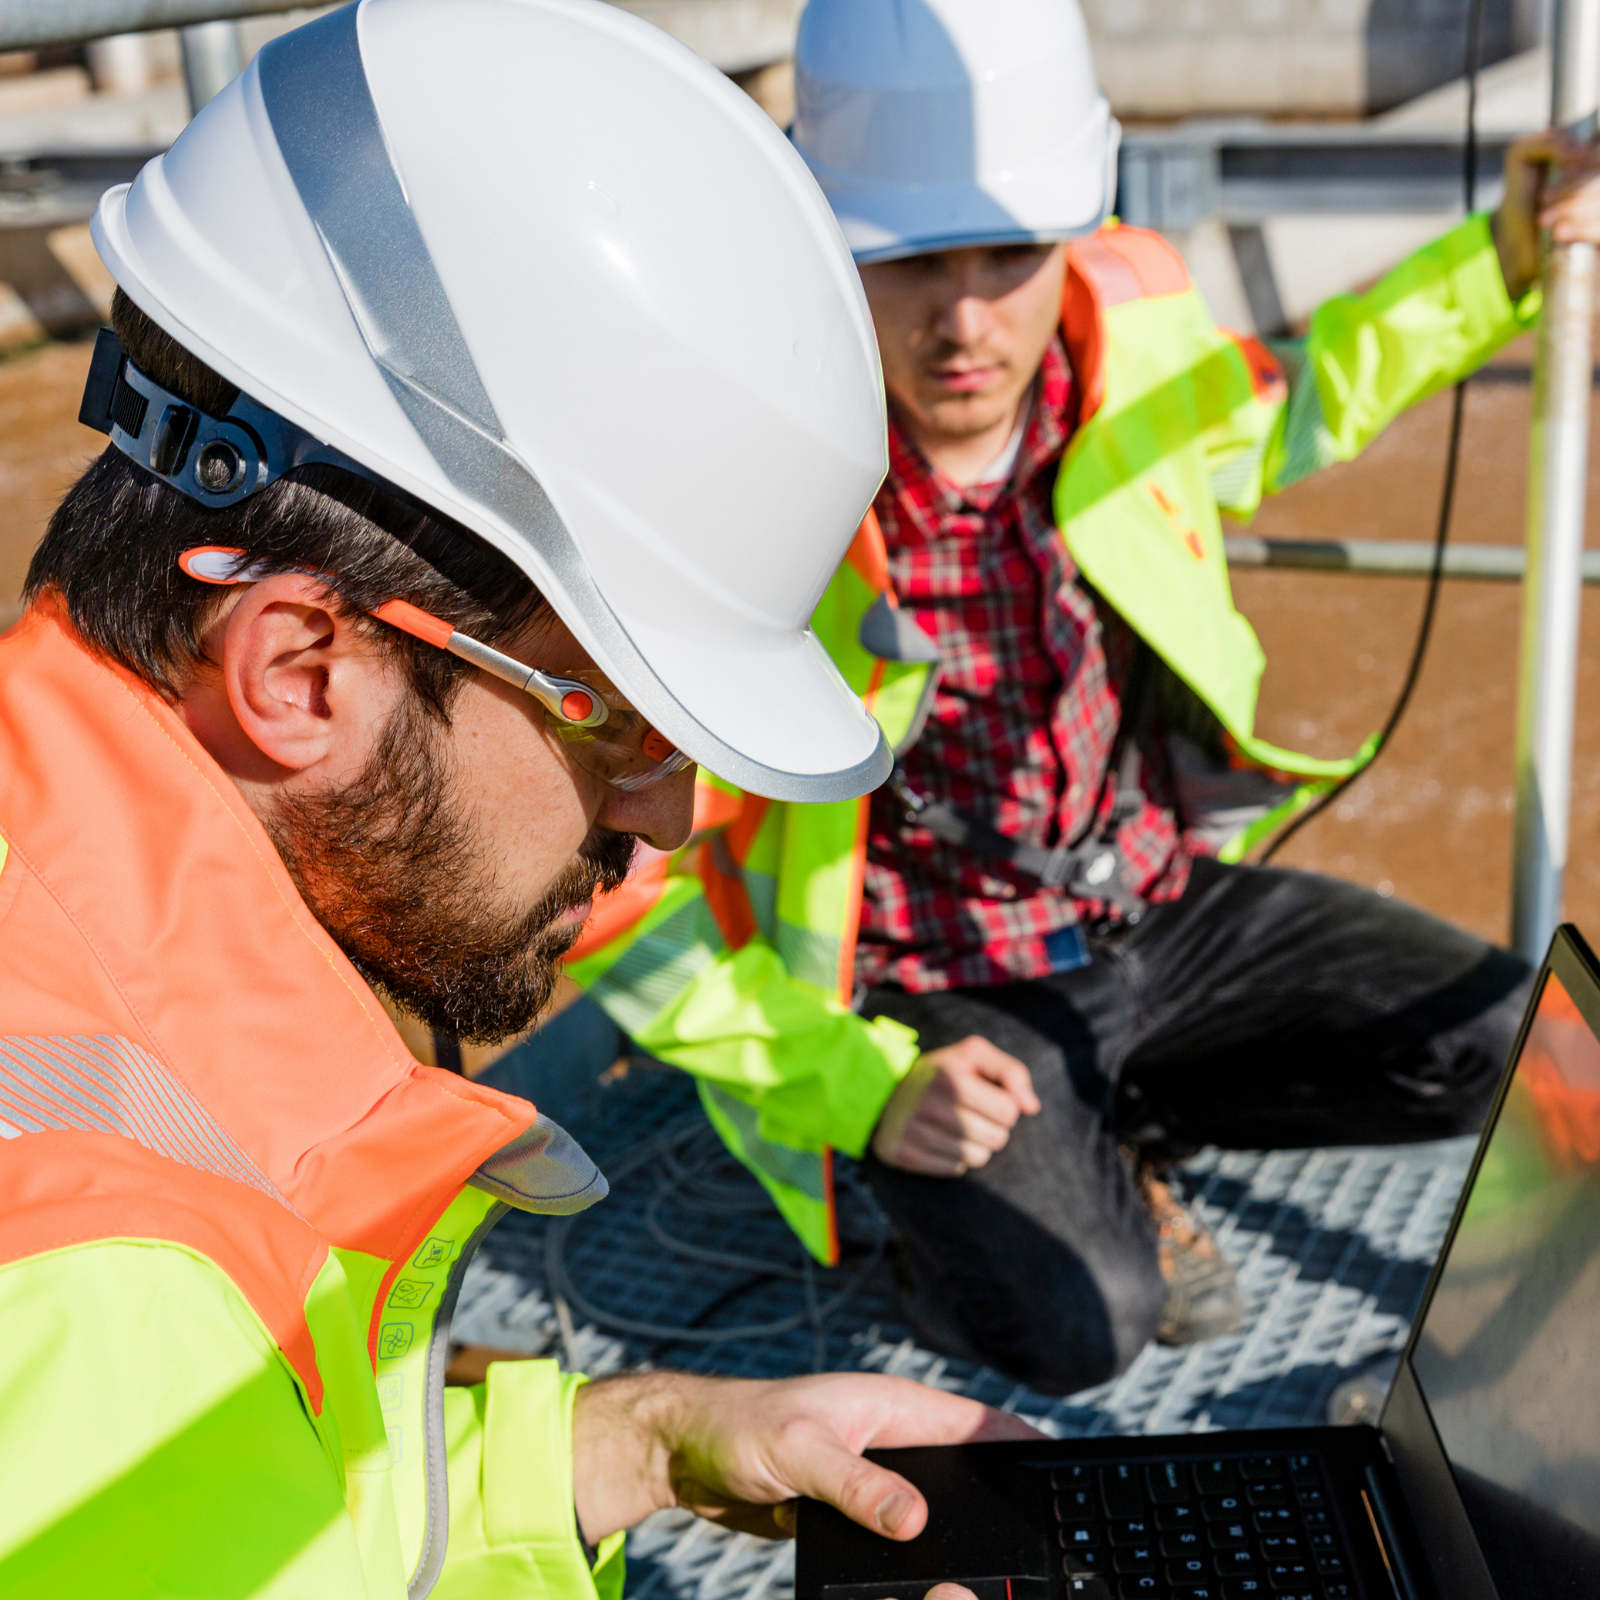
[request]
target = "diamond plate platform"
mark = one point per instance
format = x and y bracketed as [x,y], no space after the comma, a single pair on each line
[686,1264]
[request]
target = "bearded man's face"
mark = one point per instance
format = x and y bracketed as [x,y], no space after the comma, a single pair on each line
[393,867]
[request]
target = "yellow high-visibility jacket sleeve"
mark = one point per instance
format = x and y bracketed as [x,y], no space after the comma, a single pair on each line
[1366,358]
[817,1075]
[153,1441]
[513,1526]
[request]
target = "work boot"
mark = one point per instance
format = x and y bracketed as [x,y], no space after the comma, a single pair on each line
[1203,1298]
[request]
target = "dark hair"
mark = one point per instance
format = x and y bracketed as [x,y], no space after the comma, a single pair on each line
[111,550]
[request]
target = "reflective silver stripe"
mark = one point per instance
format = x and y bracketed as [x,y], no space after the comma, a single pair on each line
[314,87]
[544,1170]
[778,1163]
[103,1083]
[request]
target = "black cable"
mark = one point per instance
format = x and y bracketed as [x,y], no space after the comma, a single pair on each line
[1469,178]
[679,1161]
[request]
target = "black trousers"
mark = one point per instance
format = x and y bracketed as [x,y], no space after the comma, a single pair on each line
[1265,1009]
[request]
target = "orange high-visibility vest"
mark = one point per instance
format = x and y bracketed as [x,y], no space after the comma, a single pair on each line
[236,1209]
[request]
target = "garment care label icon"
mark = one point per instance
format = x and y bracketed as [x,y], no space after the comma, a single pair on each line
[394,1339]
[432,1253]
[408,1294]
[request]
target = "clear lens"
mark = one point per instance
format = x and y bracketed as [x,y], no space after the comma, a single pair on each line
[624,751]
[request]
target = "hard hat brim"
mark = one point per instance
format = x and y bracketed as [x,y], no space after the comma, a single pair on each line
[1065,194]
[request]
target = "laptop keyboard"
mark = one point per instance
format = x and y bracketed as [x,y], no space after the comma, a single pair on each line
[1201,1528]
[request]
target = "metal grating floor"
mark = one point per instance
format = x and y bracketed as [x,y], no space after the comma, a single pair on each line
[1333,1249]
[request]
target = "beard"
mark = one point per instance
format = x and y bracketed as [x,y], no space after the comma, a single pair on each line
[401,881]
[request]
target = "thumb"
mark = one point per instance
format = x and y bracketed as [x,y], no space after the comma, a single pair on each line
[878,1499]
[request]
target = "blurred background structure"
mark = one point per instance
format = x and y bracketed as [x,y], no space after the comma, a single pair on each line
[1292,149]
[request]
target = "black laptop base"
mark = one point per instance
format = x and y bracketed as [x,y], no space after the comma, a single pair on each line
[1296,1513]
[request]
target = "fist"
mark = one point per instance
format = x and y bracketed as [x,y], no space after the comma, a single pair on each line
[954,1109]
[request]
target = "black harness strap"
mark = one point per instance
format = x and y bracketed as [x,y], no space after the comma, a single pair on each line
[1090,866]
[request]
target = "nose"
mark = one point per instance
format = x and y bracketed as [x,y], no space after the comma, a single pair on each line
[662,814]
[966,319]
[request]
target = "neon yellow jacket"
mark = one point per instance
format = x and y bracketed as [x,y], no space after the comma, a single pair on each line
[734,959]
[236,1211]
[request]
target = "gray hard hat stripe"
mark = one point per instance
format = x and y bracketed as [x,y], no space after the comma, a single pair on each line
[327,128]
[314,86]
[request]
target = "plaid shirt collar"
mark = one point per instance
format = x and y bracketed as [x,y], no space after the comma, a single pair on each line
[1052,415]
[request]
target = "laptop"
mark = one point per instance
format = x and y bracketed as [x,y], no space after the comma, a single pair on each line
[1480,1482]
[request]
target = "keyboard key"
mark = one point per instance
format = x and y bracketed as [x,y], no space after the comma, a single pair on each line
[1135,1558]
[1228,1535]
[1283,1547]
[1166,1483]
[1072,1478]
[1269,1494]
[1078,1535]
[1184,1516]
[1085,1586]
[1323,1541]
[1339,1590]
[1315,1519]
[1221,1507]
[1280,1520]
[1262,1469]
[1331,1566]
[1236,1563]
[1121,1490]
[1183,1544]
[1137,1531]
[1312,1499]
[1290,1574]
[1214,1477]
[1077,1505]
[1200,1589]
[1088,1560]
[1244,1588]
[1305,1472]
[1139,1585]
[1191,1570]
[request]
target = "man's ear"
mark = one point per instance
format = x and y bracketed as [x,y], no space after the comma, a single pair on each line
[306,683]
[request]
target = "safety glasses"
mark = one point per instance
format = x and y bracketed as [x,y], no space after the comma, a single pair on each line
[596,725]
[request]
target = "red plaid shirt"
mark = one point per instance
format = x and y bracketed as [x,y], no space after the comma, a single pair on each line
[1022,726]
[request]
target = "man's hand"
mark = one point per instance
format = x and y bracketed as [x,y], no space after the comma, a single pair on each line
[954,1109]
[1567,202]
[739,1452]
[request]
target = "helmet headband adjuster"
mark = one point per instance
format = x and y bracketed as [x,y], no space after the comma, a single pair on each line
[214,461]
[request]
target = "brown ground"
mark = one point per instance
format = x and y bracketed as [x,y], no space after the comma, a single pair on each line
[1431,823]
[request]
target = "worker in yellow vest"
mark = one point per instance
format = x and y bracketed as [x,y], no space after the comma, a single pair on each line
[1032,969]
[384,626]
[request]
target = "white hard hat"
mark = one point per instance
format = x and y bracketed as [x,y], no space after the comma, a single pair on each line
[937,123]
[535,263]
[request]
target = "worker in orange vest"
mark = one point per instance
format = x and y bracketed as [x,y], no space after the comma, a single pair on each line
[358,661]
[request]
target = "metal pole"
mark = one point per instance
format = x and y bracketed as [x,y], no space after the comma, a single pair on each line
[212,59]
[1557,479]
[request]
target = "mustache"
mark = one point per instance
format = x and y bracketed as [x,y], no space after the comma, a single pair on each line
[601,865]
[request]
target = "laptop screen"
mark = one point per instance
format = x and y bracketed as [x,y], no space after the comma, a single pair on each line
[1508,1354]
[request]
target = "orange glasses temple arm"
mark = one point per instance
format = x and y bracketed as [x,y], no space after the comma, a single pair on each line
[558,696]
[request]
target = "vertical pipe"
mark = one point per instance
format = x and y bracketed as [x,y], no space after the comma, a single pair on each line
[1557,479]
[212,59]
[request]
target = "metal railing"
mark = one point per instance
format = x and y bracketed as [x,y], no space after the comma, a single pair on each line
[44,24]
[1389,558]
